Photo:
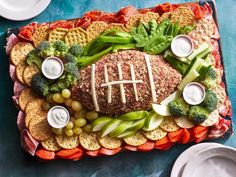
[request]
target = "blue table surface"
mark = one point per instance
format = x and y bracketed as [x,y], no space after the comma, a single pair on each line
[15,162]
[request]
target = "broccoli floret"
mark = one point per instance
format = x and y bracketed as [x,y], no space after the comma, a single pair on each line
[210,77]
[32,57]
[40,85]
[210,101]
[76,50]
[71,68]
[45,49]
[65,82]
[69,58]
[60,48]
[198,114]
[178,107]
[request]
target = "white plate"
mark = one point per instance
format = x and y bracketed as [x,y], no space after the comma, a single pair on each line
[212,162]
[183,159]
[22,9]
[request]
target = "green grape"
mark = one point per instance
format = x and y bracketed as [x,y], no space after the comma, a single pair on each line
[69,132]
[92,115]
[58,131]
[87,128]
[70,125]
[46,106]
[76,105]
[68,102]
[58,98]
[80,122]
[77,130]
[49,98]
[66,93]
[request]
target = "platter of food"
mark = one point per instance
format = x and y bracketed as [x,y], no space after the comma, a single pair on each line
[134,80]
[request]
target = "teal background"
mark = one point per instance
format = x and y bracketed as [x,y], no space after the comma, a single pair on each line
[15,162]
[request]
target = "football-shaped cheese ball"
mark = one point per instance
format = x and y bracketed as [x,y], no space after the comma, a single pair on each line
[125,81]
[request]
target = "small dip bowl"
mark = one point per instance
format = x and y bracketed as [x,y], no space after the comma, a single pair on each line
[52,67]
[182,46]
[58,117]
[194,93]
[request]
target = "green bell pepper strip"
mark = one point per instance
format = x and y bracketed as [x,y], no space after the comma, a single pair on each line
[123,34]
[86,61]
[118,47]
[100,47]
[162,46]
[112,39]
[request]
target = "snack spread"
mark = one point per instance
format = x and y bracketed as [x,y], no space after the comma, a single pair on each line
[135,80]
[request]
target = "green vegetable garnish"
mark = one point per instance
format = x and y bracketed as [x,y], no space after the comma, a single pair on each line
[210,101]
[40,85]
[178,107]
[45,49]
[32,57]
[76,50]
[60,48]
[198,114]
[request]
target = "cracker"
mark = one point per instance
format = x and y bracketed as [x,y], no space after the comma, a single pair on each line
[149,16]
[95,28]
[76,36]
[32,108]
[117,26]
[136,140]
[156,134]
[89,141]
[67,142]
[184,122]
[110,143]
[39,127]
[40,34]
[221,95]
[20,51]
[19,71]
[133,21]
[169,125]
[29,72]
[212,119]
[26,96]
[183,15]
[164,16]
[51,144]
[57,34]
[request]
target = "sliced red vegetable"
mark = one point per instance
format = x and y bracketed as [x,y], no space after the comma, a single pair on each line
[75,156]
[185,136]
[68,152]
[162,141]
[148,146]
[166,146]
[131,148]
[44,154]
[26,35]
[175,136]
[104,151]
[93,153]
[192,136]
[202,138]
[198,130]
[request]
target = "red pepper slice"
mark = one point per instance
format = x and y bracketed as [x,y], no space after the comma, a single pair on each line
[185,136]
[175,136]
[45,154]
[68,152]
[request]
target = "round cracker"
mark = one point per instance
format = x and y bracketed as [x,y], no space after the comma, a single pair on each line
[89,141]
[95,28]
[183,15]
[169,125]
[116,26]
[29,72]
[212,119]
[40,34]
[76,36]
[26,96]
[221,95]
[19,71]
[39,127]
[57,34]
[51,144]
[156,134]
[67,142]
[164,16]
[149,16]
[20,51]
[133,21]
[184,122]
[136,140]
[110,143]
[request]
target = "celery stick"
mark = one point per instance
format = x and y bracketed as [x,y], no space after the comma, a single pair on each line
[196,64]
[191,76]
[205,53]
[198,51]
